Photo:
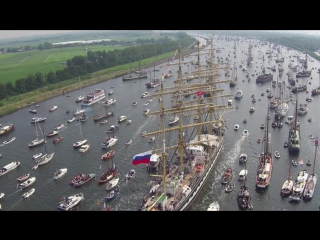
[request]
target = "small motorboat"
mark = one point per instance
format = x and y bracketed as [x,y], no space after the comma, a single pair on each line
[308,163]
[245,133]
[103,122]
[229,188]
[33,110]
[108,155]
[84,148]
[259,140]
[227,176]
[214,206]
[245,121]
[129,122]
[2,195]
[27,183]
[134,104]
[285,144]
[53,133]
[71,120]
[236,127]
[262,126]
[128,142]
[57,140]
[9,140]
[242,175]
[309,120]
[251,110]
[58,127]
[143,133]
[28,193]
[36,156]
[243,158]
[113,194]
[53,108]
[68,111]
[112,183]
[151,139]
[23,177]
[130,175]
[60,173]
[277,154]
[294,163]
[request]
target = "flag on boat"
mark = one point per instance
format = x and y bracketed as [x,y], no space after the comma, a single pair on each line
[301,161]
[142,158]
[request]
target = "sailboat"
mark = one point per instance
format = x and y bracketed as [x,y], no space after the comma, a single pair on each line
[283,107]
[243,197]
[265,166]
[177,186]
[135,75]
[234,78]
[81,97]
[287,187]
[108,175]
[316,91]
[45,158]
[294,139]
[80,142]
[154,82]
[37,141]
[312,178]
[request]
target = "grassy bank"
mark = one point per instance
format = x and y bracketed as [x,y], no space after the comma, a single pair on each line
[12,104]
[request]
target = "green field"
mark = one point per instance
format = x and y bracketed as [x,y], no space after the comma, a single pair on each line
[14,66]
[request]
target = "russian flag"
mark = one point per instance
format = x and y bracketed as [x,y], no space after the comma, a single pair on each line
[142,158]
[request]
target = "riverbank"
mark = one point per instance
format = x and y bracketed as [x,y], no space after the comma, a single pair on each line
[15,103]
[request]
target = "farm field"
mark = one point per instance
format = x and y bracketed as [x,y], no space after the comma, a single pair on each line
[14,66]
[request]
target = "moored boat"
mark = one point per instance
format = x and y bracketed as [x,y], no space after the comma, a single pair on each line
[84,148]
[299,185]
[78,112]
[38,119]
[53,108]
[109,142]
[112,183]
[6,129]
[57,140]
[53,133]
[108,175]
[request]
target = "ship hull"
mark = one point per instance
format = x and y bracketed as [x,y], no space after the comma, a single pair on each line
[201,182]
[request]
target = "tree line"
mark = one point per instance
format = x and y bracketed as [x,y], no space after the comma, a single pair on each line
[93,62]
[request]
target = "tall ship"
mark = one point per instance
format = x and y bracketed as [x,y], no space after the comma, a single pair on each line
[283,108]
[136,74]
[178,183]
[265,166]
[316,91]
[266,77]
[93,97]
[305,72]
[6,129]
[154,82]
[294,139]
[234,78]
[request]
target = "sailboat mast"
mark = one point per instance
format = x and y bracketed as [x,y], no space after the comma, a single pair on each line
[296,113]
[164,154]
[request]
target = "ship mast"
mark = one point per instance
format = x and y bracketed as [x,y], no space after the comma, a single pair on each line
[316,144]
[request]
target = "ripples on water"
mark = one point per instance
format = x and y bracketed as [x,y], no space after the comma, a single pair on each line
[49,192]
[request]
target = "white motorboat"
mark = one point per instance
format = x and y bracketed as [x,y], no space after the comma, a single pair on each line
[243,174]
[121,119]
[53,133]
[109,142]
[58,127]
[276,154]
[9,167]
[173,120]
[28,193]
[238,95]
[27,183]
[71,120]
[78,112]
[146,111]
[289,119]
[38,119]
[36,156]
[9,140]
[134,104]
[214,206]
[112,183]
[129,122]
[299,185]
[84,148]
[145,94]
[53,108]
[245,133]
[129,142]
[79,99]
[109,102]
[112,129]
[130,175]
[236,127]
[69,202]
[302,110]
[60,173]
[151,139]
[243,158]
[79,143]
[2,195]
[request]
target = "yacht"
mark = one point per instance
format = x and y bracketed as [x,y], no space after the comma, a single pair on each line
[299,185]
[146,94]
[78,112]
[109,142]
[282,110]
[9,167]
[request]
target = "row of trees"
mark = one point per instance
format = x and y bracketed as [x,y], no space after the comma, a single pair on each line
[94,61]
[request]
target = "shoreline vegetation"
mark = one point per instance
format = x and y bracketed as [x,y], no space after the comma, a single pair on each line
[15,103]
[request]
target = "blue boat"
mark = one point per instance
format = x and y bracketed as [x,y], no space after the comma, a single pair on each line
[113,194]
